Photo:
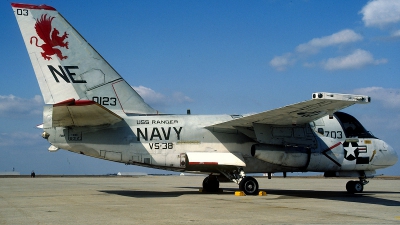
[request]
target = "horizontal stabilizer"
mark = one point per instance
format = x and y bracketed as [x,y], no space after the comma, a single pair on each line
[82,113]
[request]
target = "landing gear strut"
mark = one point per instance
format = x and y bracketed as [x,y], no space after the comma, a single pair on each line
[356,186]
[248,185]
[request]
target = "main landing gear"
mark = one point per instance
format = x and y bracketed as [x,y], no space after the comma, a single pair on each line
[356,186]
[211,184]
[248,185]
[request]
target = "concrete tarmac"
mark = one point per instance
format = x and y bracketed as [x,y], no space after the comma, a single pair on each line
[177,200]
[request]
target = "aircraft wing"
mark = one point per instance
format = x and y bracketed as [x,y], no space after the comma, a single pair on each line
[82,113]
[320,105]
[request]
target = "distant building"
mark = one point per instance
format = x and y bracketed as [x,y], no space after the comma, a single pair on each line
[191,174]
[131,174]
[10,173]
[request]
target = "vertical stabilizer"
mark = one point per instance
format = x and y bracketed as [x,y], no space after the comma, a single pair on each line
[67,66]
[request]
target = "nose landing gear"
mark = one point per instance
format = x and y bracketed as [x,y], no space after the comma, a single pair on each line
[356,186]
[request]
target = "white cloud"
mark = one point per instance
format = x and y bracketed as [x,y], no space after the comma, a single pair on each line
[385,108]
[381,12]
[14,106]
[149,95]
[341,37]
[358,59]
[281,62]
[157,99]
[389,97]
[396,34]
[179,97]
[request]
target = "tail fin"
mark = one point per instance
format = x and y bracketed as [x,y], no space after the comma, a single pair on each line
[67,66]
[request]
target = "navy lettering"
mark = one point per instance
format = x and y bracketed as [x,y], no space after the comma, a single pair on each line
[153,134]
[165,133]
[139,132]
[178,132]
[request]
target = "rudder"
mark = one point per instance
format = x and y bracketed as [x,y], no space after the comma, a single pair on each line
[67,66]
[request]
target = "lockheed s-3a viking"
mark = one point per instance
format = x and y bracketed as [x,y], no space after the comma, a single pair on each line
[91,110]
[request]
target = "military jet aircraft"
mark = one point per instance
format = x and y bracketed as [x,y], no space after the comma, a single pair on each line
[91,110]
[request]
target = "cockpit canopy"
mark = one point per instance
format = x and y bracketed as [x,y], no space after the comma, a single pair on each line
[351,126]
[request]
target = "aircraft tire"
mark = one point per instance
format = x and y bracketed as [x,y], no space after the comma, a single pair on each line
[249,186]
[211,184]
[349,186]
[354,187]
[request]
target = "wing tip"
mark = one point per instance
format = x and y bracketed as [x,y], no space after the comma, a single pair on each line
[31,6]
[341,97]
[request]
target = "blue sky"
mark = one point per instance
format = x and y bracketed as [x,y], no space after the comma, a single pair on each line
[214,57]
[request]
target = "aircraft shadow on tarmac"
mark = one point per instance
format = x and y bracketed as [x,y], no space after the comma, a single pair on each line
[367,197]
[147,194]
[160,194]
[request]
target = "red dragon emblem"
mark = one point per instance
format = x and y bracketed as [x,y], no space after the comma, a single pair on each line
[51,38]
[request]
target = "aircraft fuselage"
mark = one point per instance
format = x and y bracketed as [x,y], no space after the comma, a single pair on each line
[162,141]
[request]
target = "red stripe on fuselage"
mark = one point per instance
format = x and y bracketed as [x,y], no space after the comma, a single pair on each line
[335,145]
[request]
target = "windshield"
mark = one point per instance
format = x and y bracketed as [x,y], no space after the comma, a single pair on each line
[351,126]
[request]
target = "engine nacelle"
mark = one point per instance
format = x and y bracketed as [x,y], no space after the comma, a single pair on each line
[296,157]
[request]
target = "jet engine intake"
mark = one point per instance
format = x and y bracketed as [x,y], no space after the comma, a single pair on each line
[290,156]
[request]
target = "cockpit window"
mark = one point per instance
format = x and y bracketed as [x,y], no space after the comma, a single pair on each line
[352,127]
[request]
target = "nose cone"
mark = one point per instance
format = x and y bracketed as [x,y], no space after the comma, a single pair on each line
[383,156]
[392,156]
[388,156]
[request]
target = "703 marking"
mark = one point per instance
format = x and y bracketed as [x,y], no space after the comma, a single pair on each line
[334,134]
